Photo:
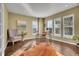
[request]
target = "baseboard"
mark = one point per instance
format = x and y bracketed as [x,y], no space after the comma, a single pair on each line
[28,39]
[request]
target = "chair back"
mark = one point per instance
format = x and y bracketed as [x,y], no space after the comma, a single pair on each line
[12,32]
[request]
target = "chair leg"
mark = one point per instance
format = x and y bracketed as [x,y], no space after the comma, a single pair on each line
[13,43]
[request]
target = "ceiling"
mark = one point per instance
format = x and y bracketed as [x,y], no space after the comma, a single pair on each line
[39,9]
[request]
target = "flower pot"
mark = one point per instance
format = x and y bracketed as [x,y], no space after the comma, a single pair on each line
[77,43]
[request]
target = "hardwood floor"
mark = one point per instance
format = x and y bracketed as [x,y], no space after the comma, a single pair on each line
[62,47]
[66,49]
[11,49]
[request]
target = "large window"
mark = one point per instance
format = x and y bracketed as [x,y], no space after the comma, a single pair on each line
[50,26]
[57,27]
[68,26]
[34,27]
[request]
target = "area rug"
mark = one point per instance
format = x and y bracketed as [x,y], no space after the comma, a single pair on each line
[21,50]
[42,49]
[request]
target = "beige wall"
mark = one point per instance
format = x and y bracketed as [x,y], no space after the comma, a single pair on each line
[13,22]
[14,17]
[5,19]
[74,11]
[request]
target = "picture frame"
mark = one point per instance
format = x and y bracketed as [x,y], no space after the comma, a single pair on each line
[21,25]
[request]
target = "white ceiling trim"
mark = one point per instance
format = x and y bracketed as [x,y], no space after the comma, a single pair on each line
[39,10]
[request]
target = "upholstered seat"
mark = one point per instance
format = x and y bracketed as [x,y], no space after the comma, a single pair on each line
[13,37]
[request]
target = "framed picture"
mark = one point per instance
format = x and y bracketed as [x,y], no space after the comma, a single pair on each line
[21,25]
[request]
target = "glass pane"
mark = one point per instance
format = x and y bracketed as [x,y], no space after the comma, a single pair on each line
[50,24]
[68,21]
[57,26]
[57,30]
[57,22]
[34,26]
[68,31]
[50,30]
[34,30]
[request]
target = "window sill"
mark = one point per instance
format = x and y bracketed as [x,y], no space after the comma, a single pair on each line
[65,41]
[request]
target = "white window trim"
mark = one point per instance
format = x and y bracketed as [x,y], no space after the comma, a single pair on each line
[49,21]
[32,28]
[69,36]
[52,25]
[58,35]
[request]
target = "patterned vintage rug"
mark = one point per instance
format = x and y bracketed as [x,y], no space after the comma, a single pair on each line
[42,49]
[21,50]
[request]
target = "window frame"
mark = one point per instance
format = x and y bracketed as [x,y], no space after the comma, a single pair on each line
[36,28]
[73,33]
[52,25]
[57,19]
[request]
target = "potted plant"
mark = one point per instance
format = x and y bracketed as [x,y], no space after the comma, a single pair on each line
[76,38]
[23,34]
